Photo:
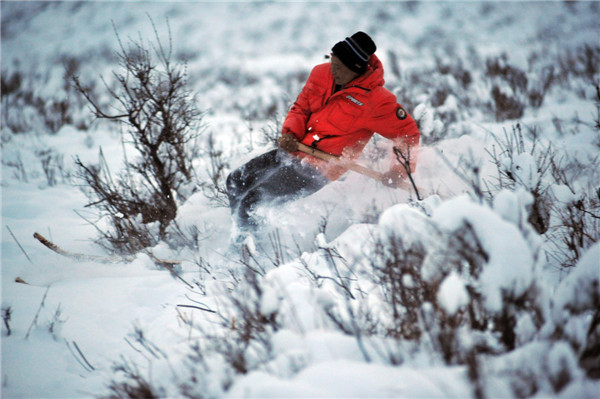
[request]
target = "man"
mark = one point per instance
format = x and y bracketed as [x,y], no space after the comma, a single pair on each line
[341,106]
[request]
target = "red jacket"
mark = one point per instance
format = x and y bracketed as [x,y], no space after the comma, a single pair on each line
[345,121]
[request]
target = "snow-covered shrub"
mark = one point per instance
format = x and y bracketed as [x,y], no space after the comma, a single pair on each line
[132,384]
[500,68]
[525,164]
[589,357]
[397,265]
[15,163]
[506,106]
[582,62]
[540,84]
[462,280]
[243,325]
[566,345]
[466,283]
[252,322]
[52,166]
[538,367]
[508,85]
[34,102]
[154,104]
[218,166]
[233,339]
[576,300]
[577,223]
[575,196]
[565,201]
[447,87]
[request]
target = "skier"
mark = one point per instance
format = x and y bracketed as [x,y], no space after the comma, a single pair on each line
[341,106]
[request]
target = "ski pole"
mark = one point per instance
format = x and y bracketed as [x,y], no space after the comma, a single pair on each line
[363,170]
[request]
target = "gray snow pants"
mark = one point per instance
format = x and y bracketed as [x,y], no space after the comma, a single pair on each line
[273,177]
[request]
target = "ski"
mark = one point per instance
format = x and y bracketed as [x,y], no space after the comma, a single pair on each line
[166,263]
[78,256]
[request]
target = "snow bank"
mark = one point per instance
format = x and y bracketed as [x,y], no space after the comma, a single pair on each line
[344,379]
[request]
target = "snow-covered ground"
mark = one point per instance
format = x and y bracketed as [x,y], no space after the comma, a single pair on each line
[72,322]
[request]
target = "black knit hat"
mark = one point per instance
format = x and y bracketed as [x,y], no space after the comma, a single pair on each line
[355,51]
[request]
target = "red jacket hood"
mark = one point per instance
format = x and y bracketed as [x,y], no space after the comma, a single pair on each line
[373,77]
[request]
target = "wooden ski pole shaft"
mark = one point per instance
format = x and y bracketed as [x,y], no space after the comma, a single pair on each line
[341,162]
[363,170]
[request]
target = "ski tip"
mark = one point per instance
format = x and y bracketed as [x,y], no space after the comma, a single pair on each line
[40,238]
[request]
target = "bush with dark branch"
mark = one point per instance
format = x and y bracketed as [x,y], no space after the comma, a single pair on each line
[411,291]
[528,168]
[133,386]
[26,108]
[579,228]
[412,268]
[214,189]
[570,222]
[239,335]
[506,106]
[249,341]
[162,121]
[398,270]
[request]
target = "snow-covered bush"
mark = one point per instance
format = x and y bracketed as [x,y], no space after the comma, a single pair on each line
[575,197]
[248,323]
[525,164]
[238,340]
[34,102]
[467,283]
[443,276]
[155,105]
[53,166]
[582,62]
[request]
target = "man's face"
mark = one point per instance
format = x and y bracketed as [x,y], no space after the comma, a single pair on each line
[342,75]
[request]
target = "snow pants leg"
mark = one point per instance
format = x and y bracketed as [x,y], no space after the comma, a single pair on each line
[275,176]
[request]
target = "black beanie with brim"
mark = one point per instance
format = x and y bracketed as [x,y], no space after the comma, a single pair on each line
[355,51]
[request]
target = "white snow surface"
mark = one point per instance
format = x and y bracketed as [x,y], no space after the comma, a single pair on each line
[72,321]
[453,294]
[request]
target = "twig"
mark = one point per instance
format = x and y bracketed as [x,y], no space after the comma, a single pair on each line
[169,266]
[34,322]
[197,307]
[82,356]
[19,244]
[131,345]
[474,184]
[404,160]
[6,314]
[76,357]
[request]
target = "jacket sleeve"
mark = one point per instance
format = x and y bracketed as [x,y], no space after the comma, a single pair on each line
[390,119]
[306,103]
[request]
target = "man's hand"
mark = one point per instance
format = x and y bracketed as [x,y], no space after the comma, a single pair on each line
[392,178]
[288,142]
